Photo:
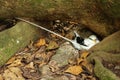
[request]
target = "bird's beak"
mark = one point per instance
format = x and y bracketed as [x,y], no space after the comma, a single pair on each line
[95,40]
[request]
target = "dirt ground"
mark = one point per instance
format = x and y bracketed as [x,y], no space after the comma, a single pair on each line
[34,61]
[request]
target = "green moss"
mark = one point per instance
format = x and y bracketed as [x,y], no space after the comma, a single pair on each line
[105,51]
[111,7]
[48,4]
[110,43]
[16,38]
[102,72]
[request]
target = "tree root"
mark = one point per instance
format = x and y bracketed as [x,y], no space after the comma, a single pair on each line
[107,50]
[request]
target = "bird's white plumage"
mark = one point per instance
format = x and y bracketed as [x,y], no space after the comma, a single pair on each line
[76,45]
[91,40]
[76,34]
[94,38]
[88,42]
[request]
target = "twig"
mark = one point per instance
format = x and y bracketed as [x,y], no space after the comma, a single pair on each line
[45,29]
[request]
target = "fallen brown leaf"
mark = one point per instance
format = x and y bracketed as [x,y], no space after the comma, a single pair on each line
[32,74]
[27,58]
[11,60]
[53,36]
[15,63]
[87,65]
[30,65]
[40,42]
[82,61]
[13,73]
[41,58]
[79,60]
[84,55]
[1,78]
[76,70]
[52,45]
[42,63]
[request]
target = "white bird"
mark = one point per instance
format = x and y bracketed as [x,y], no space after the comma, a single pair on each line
[91,40]
[84,44]
[79,42]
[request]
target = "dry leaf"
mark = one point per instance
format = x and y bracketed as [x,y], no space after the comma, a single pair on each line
[53,36]
[84,55]
[42,63]
[13,73]
[11,60]
[71,22]
[27,58]
[79,60]
[1,78]
[41,42]
[52,45]
[41,59]
[30,65]
[82,61]
[76,70]
[26,49]
[16,63]
[31,74]
[87,65]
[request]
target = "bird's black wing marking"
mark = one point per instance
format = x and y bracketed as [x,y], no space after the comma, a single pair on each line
[80,40]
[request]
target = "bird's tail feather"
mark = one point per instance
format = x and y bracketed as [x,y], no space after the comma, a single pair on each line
[76,34]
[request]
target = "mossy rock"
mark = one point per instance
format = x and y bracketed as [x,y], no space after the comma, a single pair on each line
[16,38]
[98,15]
[102,72]
[110,43]
[108,50]
[110,7]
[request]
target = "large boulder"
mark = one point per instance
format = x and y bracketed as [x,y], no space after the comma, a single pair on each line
[110,8]
[16,38]
[109,44]
[101,16]
[107,52]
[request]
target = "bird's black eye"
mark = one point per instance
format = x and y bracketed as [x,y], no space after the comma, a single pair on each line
[90,38]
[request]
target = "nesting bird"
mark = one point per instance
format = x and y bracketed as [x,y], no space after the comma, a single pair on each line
[84,44]
[79,42]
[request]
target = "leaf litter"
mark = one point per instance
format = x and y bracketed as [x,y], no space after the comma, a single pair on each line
[34,62]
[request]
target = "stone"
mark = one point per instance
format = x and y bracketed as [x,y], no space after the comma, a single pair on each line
[15,39]
[64,53]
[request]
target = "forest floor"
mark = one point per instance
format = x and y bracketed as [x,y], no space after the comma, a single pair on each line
[38,60]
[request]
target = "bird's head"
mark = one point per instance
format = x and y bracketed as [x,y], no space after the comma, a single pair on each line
[94,38]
